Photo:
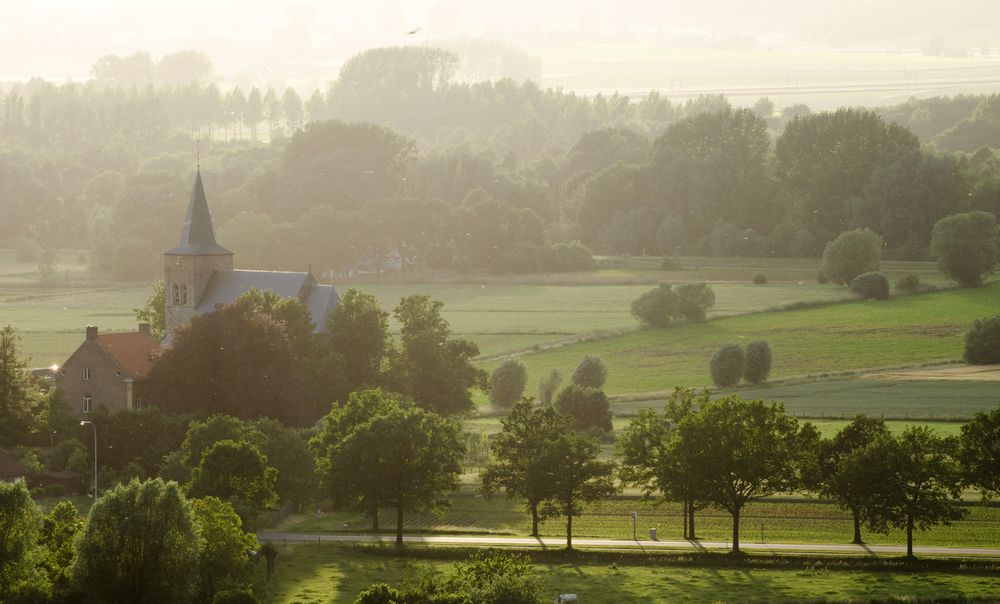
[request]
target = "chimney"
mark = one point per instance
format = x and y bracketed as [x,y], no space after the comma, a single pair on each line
[144,329]
[91,332]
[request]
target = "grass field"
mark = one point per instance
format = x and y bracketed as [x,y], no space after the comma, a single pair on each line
[310,574]
[845,398]
[784,520]
[814,341]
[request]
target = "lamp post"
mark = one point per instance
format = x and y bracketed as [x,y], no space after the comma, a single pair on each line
[83,423]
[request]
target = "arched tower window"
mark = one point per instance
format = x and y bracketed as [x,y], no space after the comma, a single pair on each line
[184,294]
[175,294]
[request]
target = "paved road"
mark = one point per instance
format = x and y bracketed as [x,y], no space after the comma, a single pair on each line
[557,543]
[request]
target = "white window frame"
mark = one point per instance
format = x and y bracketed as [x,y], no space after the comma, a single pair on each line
[88,403]
[86,374]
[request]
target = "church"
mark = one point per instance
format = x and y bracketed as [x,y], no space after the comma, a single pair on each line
[199,274]
[110,370]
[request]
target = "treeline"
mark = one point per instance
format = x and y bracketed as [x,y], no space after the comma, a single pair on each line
[492,174]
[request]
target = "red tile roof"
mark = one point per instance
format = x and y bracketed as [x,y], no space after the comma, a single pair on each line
[132,351]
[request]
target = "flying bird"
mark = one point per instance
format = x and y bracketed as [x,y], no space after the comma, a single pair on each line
[413,31]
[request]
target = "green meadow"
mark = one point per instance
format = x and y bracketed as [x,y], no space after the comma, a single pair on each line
[313,574]
[817,342]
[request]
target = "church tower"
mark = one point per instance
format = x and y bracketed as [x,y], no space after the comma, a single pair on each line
[189,265]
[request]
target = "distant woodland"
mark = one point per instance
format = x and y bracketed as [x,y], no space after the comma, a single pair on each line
[400,164]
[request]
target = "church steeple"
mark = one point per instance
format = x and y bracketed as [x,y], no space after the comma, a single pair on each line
[198,235]
[189,266]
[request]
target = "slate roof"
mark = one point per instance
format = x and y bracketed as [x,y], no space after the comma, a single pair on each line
[132,351]
[198,235]
[226,286]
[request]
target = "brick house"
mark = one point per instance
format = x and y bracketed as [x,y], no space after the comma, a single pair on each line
[108,370]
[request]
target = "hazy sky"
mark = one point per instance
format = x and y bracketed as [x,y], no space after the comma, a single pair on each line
[262,38]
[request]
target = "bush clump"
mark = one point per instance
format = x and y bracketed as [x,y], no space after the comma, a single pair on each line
[966,247]
[727,365]
[658,307]
[822,279]
[871,286]
[670,264]
[909,283]
[507,383]
[760,279]
[757,365]
[694,300]
[851,254]
[590,373]
[982,342]
[589,407]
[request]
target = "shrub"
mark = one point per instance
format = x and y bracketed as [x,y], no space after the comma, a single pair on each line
[235,596]
[589,407]
[871,286]
[670,264]
[727,365]
[908,283]
[822,279]
[757,365]
[590,373]
[966,246]
[982,342]
[656,307]
[548,386]
[694,300]
[572,256]
[850,254]
[760,279]
[507,383]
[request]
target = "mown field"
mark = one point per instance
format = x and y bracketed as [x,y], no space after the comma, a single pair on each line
[310,574]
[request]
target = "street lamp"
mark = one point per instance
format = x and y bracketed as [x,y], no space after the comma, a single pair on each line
[84,422]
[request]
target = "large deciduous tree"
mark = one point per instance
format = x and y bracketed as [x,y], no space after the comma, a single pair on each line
[224,559]
[20,522]
[236,472]
[406,458]
[915,479]
[824,160]
[434,370]
[840,477]
[579,477]
[365,492]
[237,361]
[742,451]
[966,246]
[358,330]
[650,458]
[521,462]
[980,451]
[140,545]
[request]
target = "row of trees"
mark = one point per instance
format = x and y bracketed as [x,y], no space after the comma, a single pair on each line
[728,452]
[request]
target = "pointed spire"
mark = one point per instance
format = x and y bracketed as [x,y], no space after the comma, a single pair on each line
[198,235]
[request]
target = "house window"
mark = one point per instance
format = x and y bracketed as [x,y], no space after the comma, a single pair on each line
[86,403]
[86,374]
[137,403]
[176,294]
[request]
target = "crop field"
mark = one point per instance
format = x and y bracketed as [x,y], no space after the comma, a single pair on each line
[313,574]
[806,342]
